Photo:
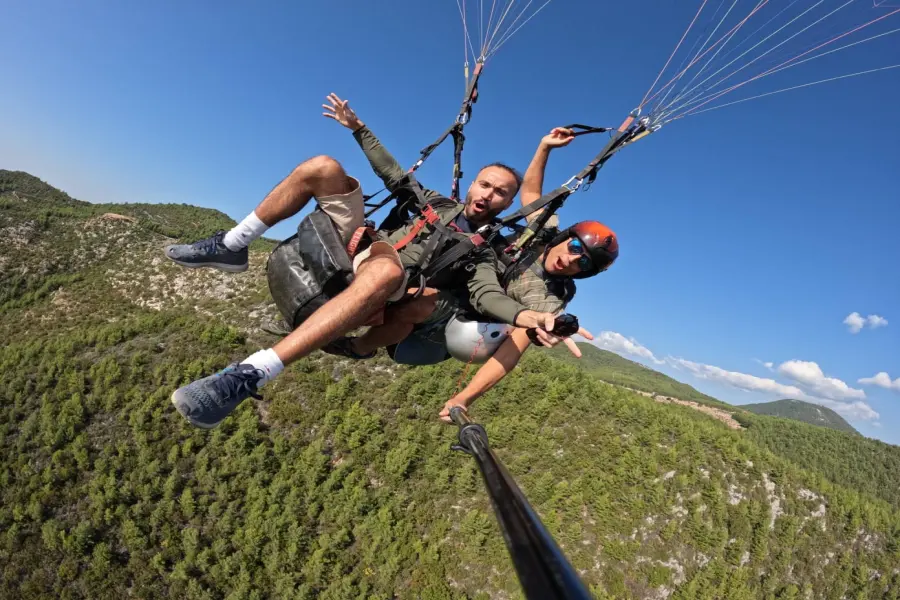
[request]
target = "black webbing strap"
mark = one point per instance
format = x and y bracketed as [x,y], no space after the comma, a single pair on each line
[526,238]
[459,140]
[539,204]
[578,129]
[458,252]
[627,131]
[434,241]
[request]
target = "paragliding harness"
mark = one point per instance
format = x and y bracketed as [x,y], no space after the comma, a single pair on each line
[549,203]
[312,266]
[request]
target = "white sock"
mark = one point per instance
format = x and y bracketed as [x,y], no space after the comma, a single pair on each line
[266,361]
[244,232]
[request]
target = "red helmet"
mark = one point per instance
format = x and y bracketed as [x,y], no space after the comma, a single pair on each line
[600,242]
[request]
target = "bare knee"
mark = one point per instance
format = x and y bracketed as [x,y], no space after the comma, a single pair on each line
[323,167]
[381,274]
[324,175]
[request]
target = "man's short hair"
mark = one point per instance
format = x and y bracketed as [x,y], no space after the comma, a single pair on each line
[507,168]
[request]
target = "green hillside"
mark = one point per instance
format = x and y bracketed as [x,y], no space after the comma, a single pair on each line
[860,463]
[340,484]
[614,369]
[802,411]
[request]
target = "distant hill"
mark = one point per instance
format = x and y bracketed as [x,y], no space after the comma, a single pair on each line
[802,411]
[22,183]
[614,369]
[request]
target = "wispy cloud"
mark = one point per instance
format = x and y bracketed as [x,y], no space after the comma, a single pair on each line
[855,322]
[882,379]
[814,386]
[876,321]
[808,381]
[618,343]
[810,375]
[742,381]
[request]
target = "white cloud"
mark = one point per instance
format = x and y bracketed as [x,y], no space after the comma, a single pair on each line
[876,321]
[882,379]
[618,343]
[856,411]
[855,322]
[743,381]
[806,373]
[811,376]
[767,365]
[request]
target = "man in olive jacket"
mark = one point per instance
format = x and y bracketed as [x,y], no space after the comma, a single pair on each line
[380,270]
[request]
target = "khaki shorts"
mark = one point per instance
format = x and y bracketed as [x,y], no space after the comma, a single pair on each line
[347,212]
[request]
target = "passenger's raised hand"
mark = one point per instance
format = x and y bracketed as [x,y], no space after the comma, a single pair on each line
[558,137]
[340,111]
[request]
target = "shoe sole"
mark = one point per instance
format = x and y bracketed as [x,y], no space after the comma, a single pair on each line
[220,266]
[188,419]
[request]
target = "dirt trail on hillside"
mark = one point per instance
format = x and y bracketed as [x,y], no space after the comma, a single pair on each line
[716,413]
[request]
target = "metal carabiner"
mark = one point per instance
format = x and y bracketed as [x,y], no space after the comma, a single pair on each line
[578,181]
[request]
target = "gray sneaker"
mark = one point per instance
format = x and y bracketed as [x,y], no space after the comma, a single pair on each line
[206,402]
[209,252]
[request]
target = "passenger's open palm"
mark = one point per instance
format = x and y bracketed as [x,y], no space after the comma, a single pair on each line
[340,111]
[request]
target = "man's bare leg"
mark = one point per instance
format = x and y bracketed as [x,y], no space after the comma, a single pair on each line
[319,177]
[375,281]
[398,323]
[206,402]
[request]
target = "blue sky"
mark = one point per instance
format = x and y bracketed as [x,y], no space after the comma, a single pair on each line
[747,234]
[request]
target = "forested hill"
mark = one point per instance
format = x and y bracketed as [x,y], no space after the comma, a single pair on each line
[612,368]
[798,410]
[340,483]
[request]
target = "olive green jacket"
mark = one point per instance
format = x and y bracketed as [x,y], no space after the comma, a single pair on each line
[481,285]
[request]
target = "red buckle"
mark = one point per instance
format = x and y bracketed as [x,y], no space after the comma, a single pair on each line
[430,216]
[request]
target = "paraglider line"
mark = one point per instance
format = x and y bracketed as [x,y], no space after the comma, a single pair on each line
[662,101]
[506,36]
[796,87]
[729,33]
[462,13]
[775,47]
[671,56]
[773,69]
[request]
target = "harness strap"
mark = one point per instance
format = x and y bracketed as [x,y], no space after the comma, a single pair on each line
[560,193]
[458,141]
[526,238]
[433,242]
[626,132]
[357,237]
[455,130]
[462,249]
[428,217]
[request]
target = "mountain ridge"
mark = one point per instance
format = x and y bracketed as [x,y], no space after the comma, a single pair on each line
[807,412]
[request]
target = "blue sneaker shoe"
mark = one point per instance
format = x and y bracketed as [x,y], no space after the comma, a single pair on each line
[209,252]
[206,402]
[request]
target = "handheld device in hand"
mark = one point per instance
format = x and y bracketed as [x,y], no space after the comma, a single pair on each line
[563,326]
